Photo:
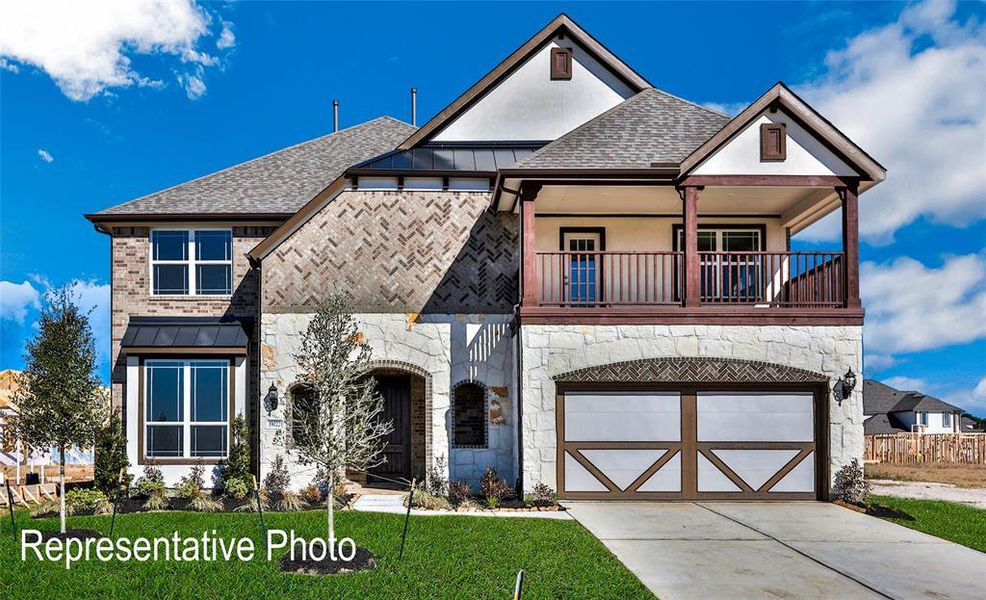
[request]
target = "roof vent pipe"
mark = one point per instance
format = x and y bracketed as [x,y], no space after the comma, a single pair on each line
[335,116]
[414,107]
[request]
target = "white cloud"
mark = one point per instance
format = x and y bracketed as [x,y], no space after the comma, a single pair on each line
[971,399]
[193,84]
[911,307]
[86,47]
[906,384]
[45,155]
[879,362]
[913,95]
[16,299]
[227,39]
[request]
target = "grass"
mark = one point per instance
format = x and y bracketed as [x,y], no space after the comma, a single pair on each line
[960,475]
[445,557]
[951,521]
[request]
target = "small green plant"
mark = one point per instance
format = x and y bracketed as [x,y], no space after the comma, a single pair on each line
[237,468]
[111,457]
[46,508]
[157,495]
[205,503]
[312,495]
[251,506]
[436,483]
[851,485]
[459,492]
[150,479]
[542,495]
[236,489]
[493,488]
[83,501]
[190,486]
[422,498]
[277,481]
[290,502]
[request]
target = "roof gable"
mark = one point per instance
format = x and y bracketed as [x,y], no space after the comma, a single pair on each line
[520,85]
[819,145]
[652,127]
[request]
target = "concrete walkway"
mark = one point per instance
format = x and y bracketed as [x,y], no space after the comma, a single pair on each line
[779,550]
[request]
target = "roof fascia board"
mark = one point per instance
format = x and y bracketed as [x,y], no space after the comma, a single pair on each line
[304,214]
[808,117]
[136,218]
[507,66]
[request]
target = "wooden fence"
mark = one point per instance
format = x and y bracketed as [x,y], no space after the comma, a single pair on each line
[913,448]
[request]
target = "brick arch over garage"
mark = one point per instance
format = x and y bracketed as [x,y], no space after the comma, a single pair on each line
[421,451]
[692,370]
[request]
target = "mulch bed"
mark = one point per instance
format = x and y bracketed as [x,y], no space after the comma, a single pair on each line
[875,510]
[363,561]
[76,534]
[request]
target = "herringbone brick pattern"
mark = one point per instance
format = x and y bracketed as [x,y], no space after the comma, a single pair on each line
[390,252]
[692,370]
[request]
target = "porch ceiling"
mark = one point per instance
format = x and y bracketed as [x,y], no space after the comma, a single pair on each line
[798,206]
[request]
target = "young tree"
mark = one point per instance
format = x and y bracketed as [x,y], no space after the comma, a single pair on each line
[339,425]
[110,456]
[60,403]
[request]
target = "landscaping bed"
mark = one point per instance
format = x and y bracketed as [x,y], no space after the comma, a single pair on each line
[444,557]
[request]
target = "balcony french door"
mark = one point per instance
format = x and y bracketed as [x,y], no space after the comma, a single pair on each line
[583,272]
[729,266]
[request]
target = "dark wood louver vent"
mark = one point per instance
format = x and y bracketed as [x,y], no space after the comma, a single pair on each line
[561,63]
[773,141]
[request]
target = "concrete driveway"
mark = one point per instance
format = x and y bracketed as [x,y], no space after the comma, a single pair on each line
[779,550]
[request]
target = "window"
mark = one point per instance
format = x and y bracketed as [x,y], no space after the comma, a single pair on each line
[469,416]
[186,410]
[561,63]
[946,420]
[195,262]
[773,142]
[923,419]
[303,403]
[733,276]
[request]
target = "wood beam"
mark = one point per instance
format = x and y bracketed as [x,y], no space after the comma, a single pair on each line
[770,180]
[693,285]
[850,242]
[530,288]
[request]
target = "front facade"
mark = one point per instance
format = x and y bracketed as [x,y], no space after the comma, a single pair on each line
[567,275]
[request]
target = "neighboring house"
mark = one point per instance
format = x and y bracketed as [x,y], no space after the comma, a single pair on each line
[566,274]
[968,425]
[889,410]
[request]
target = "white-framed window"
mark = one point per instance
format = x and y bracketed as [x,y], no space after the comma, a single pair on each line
[946,419]
[186,408]
[191,262]
[923,419]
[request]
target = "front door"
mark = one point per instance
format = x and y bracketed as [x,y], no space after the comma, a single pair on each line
[583,269]
[396,393]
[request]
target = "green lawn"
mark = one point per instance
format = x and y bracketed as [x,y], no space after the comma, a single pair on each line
[955,522]
[445,557]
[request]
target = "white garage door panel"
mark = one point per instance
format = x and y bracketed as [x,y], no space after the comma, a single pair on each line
[579,479]
[800,479]
[667,479]
[755,417]
[622,417]
[755,467]
[711,479]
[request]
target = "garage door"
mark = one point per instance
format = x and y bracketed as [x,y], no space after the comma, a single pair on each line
[687,445]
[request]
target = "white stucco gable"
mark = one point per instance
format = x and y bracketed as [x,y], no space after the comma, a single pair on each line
[806,153]
[528,105]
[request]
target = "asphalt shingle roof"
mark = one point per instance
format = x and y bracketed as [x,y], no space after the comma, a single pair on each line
[880,398]
[882,423]
[277,183]
[652,126]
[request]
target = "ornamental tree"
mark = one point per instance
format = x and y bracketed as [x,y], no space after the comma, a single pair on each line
[339,424]
[60,404]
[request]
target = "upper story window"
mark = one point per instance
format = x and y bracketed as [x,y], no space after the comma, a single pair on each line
[192,262]
[186,408]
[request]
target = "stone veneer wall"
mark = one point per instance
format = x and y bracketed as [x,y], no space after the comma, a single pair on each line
[550,350]
[448,348]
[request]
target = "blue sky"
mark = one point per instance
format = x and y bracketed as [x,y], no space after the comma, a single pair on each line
[108,105]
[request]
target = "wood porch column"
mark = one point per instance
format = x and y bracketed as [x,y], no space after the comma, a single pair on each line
[530,286]
[850,242]
[692,289]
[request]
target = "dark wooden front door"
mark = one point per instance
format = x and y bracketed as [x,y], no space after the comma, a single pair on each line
[396,393]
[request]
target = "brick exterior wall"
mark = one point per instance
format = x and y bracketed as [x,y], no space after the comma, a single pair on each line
[399,252]
[130,252]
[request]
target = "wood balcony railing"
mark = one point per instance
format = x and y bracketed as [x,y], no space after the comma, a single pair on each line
[639,278]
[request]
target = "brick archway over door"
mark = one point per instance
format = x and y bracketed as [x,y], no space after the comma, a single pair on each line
[421,405]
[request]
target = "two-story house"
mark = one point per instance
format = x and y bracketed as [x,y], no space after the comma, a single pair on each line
[566,274]
[889,410]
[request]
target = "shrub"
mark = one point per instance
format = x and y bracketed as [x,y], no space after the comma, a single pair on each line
[83,501]
[237,489]
[190,486]
[237,468]
[250,505]
[542,494]
[156,493]
[435,482]
[204,503]
[851,485]
[47,508]
[459,492]
[111,457]
[151,476]
[422,498]
[290,502]
[494,488]
[277,480]
[312,495]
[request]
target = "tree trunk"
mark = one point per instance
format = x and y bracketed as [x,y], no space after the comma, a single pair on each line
[61,493]
[330,500]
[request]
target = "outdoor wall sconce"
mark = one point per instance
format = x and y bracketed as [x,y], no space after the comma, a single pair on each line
[844,386]
[270,400]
